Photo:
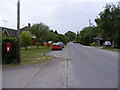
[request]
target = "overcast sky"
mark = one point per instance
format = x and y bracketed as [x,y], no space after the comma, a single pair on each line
[60,15]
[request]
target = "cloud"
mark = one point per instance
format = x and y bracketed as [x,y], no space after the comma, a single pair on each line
[37,12]
[61,15]
[8,13]
[32,1]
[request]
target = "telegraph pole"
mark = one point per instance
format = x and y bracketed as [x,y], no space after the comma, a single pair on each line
[90,24]
[119,4]
[18,31]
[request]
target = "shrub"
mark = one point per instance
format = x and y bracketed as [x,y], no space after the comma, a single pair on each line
[25,39]
[92,44]
[95,44]
[9,57]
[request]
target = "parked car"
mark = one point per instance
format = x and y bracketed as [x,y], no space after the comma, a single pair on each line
[49,41]
[57,46]
[107,43]
[61,43]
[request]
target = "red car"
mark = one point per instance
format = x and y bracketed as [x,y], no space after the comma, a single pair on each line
[58,45]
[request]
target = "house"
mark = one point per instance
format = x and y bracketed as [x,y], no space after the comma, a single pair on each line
[98,40]
[25,28]
[34,41]
[13,33]
[8,32]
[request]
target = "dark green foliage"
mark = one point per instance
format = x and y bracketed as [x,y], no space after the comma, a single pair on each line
[39,30]
[62,38]
[56,32]
[108,27]
[109,23]
[9,57]
[71,35]
[51,30]
[87,34]
[43,33]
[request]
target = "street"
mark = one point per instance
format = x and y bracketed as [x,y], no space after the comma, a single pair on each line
[92,68]
[76,66]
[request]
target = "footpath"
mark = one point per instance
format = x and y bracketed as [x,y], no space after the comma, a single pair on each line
[42,75]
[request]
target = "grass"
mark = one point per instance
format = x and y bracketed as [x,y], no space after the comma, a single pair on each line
[35,55]
[112,49]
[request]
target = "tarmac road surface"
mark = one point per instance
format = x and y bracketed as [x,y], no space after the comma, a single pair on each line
[91,67]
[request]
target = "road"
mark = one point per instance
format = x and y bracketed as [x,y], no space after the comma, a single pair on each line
[90,67]
[76,66]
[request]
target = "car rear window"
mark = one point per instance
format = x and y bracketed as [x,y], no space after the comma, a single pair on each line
[55,44]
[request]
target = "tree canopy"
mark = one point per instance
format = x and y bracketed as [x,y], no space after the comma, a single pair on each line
[108,26]
[71,35]
[44,33]
[109,22]
[87,34]
[39,30]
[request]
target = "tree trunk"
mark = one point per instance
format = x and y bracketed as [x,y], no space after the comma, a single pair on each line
[37,46]
[26,48]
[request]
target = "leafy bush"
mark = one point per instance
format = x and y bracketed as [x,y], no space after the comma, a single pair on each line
[95,44]
[9,57]
[25,39]
[92,44]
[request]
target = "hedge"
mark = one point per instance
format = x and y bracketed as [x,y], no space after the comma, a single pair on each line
[9,57]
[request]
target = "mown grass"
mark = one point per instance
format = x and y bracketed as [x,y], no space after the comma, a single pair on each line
[35,55]
[112,49]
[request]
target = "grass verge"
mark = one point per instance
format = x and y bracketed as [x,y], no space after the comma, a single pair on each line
[34,55]
[112,49]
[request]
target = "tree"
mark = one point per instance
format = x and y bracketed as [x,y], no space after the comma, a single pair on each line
[51,30]
[56,32]
[51,36]
[109,23]
[62,38]
[43,33]
[86,35]
[71,35]
[40,31]
[25,39]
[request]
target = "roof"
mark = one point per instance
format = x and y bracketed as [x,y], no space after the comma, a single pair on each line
[98,37]
[24,28]
[10,32]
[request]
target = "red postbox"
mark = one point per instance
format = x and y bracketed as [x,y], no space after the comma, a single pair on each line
[8,47]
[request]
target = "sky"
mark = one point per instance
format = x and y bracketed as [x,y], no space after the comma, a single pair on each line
[60,15]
